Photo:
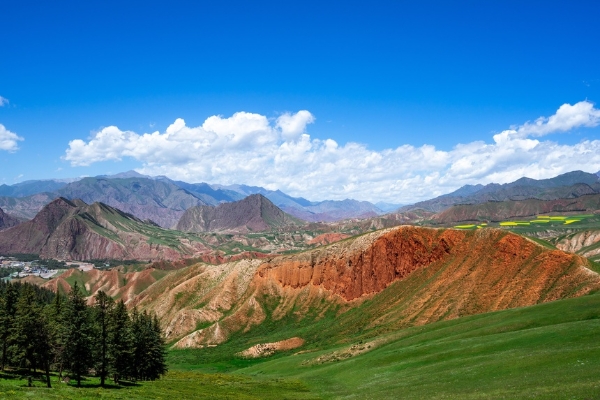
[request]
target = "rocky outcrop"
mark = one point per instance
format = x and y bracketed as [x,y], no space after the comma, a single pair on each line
[364,266]
[255,213]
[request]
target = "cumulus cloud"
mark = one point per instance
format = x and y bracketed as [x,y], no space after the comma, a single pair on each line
[293,125]
[8,140]
[279,154]
[3,101]
[567,117]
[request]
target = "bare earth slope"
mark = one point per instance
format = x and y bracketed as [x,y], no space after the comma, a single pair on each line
[585,243]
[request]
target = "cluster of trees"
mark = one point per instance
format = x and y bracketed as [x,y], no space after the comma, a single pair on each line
[25,257]
[110,263]
[43,330]
[4,272]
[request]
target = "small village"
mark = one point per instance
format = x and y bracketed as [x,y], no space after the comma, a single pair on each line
[21,269]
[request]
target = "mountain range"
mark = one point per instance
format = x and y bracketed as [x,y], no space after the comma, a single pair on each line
[496,211]
[164,201]
[251,227]
[242,278]
[565,186]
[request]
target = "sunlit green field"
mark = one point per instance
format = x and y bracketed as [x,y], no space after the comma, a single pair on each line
[548,351]
[176,385]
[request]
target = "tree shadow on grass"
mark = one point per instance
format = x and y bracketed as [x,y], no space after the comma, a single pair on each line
[17,374]
[87,384]
[9,375]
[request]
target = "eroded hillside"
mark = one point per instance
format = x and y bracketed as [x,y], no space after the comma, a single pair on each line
[398,277]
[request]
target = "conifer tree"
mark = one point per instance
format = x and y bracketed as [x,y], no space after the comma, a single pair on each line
[24,330]
[55,316]
[149,353]
[8,309]
[158,353]
[102,308]
[120,343]
[140,343]
[45,346]
[78,339]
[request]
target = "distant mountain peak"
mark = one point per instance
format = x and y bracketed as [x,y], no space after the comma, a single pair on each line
[254,213]
[126,174]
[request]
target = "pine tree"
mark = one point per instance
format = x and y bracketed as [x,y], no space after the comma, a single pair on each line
[102,308]
[120,343]
[78,335]
[24,330]
[8,309]
[157,352]
[55,316]
[45,346]
[149,353]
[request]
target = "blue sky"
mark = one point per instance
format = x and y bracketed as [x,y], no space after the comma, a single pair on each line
[379,79]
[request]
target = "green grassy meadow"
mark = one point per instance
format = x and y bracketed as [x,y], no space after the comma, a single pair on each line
[547,351]
[174,386]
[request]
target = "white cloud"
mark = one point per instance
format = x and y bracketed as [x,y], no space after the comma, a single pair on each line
[567,117]
[3,101]
[8,140]
[249,148]
[292,126]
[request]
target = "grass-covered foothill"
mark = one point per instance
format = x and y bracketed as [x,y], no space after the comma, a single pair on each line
[548,351]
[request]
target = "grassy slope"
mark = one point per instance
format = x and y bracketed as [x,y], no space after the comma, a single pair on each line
[544,351]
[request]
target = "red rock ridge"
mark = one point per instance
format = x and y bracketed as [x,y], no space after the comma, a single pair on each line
[352,274]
